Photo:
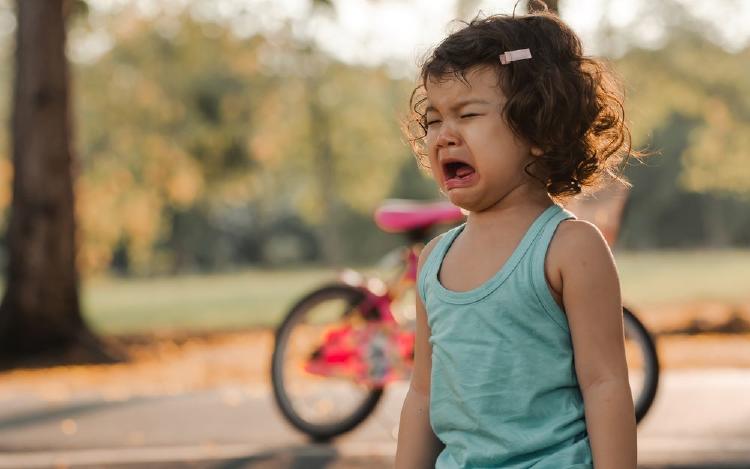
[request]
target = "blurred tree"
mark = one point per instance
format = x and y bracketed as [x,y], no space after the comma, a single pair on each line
[182,119]
[40,310]
[196,143]
[553,6]
[707,110]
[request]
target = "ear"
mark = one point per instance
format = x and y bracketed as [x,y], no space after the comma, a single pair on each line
[536,151]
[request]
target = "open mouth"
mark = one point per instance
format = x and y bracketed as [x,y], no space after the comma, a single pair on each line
[457,170]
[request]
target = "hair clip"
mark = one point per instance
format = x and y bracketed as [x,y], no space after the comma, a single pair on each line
[512,55]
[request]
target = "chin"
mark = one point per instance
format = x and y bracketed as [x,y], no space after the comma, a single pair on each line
[460,202]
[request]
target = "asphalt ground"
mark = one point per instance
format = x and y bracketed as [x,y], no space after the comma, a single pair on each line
[700,419]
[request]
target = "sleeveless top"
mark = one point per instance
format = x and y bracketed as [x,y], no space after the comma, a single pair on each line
[504,392]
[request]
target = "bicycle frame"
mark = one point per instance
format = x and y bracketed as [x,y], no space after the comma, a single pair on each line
[380,294]
[376,308]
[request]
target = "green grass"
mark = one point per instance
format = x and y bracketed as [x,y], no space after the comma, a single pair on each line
[254,298]
[223,301]
[680,276]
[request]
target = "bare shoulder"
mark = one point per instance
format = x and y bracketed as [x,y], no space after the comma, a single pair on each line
[578,243]
[428,249]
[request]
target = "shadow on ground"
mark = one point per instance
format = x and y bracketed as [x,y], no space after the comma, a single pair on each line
[326,457]
[293,457]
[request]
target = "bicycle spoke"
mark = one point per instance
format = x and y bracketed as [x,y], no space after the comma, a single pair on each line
[320,399]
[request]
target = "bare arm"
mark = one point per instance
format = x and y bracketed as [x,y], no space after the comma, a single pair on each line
[418,447]
[591,296]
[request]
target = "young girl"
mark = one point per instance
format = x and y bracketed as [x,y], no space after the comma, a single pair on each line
[519,359]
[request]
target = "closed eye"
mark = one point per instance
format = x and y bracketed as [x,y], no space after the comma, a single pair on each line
[463,116]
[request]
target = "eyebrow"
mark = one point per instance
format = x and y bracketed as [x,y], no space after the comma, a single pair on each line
[459,104]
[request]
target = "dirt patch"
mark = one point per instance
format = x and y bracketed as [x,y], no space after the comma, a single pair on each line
[704,351]
[696,318]
[158,365]
[689,336]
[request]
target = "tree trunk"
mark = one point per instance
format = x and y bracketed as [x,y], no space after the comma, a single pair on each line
[40,310]
[717,233]
[330,235]
[552,5]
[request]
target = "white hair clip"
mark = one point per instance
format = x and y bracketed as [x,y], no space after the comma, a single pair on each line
[512,55]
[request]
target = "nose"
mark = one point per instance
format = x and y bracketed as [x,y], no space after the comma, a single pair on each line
[446,136]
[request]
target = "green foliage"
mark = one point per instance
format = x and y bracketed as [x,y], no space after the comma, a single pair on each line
[690,103]
[196,144]
[697,79]
[196,118]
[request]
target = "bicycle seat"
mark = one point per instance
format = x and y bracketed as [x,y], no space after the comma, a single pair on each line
[400,215]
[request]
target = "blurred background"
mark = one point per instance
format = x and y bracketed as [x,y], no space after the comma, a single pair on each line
[228,155]
[240,136]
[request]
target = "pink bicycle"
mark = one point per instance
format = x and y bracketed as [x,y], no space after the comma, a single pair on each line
[340,345]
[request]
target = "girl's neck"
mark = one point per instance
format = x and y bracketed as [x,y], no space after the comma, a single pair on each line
[515,207]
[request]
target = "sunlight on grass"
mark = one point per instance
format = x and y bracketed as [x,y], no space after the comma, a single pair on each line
[254,298]
[220,301]
[681,276]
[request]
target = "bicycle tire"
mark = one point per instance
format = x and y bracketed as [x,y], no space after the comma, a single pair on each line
[318,432]
[638,332]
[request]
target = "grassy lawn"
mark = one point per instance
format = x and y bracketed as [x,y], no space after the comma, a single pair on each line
[259,298]
[664,277]
[219,301]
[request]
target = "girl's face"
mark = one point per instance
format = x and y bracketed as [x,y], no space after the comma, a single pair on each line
[474,156]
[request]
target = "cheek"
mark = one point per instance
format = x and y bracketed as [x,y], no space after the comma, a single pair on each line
[429,140]
[430,147]
[432,160]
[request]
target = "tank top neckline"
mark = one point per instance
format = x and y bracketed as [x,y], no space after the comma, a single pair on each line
[491,284]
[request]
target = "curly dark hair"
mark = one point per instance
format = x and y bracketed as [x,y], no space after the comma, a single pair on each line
[567,104]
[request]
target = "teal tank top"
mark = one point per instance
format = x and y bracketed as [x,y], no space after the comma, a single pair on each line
[504,391]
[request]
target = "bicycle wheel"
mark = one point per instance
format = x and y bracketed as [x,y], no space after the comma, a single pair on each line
[643,364]
[320,406]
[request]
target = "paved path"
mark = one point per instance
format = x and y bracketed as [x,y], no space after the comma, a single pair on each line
[701,419]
